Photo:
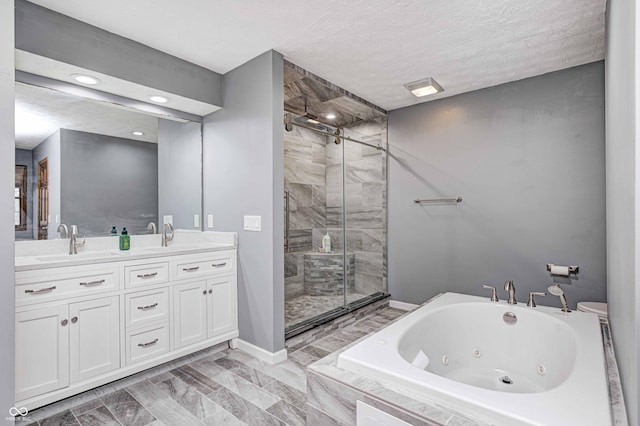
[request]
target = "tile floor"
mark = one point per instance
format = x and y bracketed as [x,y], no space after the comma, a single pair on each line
[223,388]
[304,307]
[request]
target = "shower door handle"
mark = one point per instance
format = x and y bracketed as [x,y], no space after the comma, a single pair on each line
[286,221]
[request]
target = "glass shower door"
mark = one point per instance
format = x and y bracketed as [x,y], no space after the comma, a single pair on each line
[365,202]
[314,273]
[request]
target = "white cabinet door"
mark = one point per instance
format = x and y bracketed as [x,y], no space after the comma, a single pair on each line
[42,351]
[94,337]
[222,309]
[190,313]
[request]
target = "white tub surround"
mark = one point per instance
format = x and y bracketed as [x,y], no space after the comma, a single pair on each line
[391,368]
[89,319]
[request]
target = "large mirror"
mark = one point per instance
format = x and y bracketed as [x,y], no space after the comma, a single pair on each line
[99,165]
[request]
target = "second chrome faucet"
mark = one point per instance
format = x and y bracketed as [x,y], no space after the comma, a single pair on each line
[511,288]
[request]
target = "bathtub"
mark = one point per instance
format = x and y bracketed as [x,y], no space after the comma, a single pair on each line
[509,363]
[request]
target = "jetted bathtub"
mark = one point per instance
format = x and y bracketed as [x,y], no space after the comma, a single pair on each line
[511,363]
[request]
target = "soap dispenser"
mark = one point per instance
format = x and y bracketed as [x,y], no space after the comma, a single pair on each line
[326,243]
[125,242]
[114,231]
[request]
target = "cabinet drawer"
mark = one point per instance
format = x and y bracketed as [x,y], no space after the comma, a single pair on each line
[143,345]
[147,306]
[36,289]
[219,263]
[141,275]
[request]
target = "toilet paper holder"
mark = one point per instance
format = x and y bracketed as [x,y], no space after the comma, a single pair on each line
[572,269]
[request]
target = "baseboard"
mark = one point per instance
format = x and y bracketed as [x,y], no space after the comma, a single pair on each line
[262,354]
[404,306]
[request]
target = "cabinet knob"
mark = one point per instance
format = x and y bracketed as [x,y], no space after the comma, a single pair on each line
[210,290]
[204,292]
[64,321]
[74,320]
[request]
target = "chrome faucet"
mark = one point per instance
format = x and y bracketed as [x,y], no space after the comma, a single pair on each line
[166,238]
[73,240]
[152,227]
[508,286]
[63,228]
[557,291]
[494,295]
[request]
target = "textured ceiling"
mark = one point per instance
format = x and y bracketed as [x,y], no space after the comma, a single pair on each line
[41,112]
[369,47]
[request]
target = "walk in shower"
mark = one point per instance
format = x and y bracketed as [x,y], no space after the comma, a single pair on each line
[335,184]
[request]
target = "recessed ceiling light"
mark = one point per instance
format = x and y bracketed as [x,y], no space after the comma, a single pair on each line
[158,99]
[331,116]
[425,87]
[137,133]
[85,79]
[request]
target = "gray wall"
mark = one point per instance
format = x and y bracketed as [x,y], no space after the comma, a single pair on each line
[56,36]
[623,216]
[24,157]
[7,231]
[180,172]
[50,149]
[528,159]
[243,175]
[108,181]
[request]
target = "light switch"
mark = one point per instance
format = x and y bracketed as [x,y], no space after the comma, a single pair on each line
[167,219]
[196,220]
[210,221]
[253,223]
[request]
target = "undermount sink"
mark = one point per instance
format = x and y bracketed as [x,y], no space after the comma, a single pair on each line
[85,255]
[178,247]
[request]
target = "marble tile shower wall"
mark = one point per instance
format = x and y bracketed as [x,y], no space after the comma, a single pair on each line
[313,177]
[305,179]
[365,186]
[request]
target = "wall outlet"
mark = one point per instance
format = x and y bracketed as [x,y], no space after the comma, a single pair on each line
[210,221]
[167,219]
[196,220]
[253,223]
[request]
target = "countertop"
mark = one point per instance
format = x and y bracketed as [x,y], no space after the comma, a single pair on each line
[32,255]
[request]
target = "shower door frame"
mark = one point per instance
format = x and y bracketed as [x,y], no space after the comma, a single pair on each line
[312,322]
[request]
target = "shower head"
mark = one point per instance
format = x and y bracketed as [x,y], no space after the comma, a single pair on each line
[311,118]
[556,290]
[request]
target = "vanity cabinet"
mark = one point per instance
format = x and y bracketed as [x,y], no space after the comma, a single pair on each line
[64,344]
[42,351]
[204,310]
[78,327]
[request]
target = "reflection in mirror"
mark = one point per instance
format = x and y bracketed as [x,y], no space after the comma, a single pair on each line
[95,165]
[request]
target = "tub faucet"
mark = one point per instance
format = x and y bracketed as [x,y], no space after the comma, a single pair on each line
[508,286]
[494,295]
[73,240]
[166,238]
[557,291]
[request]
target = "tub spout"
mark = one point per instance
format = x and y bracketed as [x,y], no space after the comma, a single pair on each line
[508,286]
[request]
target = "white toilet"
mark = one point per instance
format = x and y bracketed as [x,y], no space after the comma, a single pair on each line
[599,308]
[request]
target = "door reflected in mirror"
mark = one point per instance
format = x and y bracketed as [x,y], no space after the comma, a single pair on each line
[96,165]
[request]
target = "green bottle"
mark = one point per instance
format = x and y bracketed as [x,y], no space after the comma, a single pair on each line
[125,242]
